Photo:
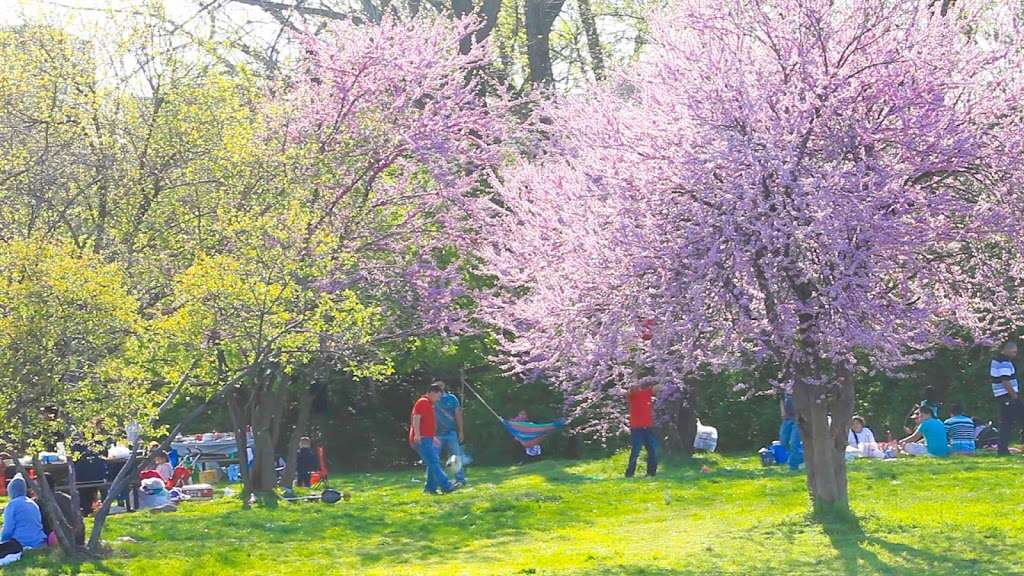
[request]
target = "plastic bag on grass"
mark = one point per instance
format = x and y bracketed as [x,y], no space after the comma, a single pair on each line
[706,438]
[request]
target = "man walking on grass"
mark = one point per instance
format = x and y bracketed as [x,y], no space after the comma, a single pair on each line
[1006,390]
[641,428]
[450,433]
[423,439]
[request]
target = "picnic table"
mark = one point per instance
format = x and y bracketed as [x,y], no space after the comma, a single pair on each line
[58,472]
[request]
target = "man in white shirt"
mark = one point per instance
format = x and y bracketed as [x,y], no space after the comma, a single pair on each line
[1006,390]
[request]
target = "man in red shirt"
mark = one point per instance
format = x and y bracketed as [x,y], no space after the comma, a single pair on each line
[423,439]
[641,428]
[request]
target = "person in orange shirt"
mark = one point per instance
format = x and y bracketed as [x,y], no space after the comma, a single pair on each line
[641,428]
[423,439]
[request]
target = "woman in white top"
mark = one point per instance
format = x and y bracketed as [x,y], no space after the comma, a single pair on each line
[862,440]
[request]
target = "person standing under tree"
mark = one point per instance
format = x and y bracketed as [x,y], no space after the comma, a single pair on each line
[306,463]
[641,428]
[423,439]
[789,431]
[450,432]
[1006,390]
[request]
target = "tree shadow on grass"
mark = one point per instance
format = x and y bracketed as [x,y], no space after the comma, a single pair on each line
[848,539]
[853,546]
[53,565]
[688,470]
[636,570]
[485,522]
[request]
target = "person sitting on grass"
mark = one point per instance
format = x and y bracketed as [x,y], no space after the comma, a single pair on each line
[933,433]
[305,463]
[862,439]
[961,431]
[985,434]
[23,524]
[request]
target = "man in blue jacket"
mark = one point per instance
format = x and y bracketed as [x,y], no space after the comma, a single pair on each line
[450,432]
[23,524]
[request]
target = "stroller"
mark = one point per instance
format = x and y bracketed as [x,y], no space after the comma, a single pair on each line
[183,472]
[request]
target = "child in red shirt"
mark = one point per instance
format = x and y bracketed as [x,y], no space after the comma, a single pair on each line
[641,428]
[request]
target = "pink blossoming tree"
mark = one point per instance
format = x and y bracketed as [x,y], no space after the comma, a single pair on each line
[341,236]
[777,183]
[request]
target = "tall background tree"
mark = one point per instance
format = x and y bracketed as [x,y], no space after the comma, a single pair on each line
[795,169]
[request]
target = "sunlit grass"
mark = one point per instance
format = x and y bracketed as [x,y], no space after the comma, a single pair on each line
[582,518]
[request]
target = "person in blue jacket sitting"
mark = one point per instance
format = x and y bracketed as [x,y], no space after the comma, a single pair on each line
[23,524]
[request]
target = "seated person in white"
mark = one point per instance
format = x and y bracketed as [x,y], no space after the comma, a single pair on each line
[861,441]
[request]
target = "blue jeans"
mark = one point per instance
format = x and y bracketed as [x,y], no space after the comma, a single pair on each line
[643,437]
[436,478]
[451,447]
[789,436]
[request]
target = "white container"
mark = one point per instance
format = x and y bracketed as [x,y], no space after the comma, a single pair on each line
[706,438]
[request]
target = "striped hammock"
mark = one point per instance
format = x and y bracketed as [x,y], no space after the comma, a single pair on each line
[531,433]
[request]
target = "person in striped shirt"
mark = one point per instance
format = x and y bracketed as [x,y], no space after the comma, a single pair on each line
[960,429]
[1006,388]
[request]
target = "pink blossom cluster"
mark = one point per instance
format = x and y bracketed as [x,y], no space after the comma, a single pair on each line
[401,136]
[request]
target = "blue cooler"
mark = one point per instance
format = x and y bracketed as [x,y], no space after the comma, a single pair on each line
[779,451]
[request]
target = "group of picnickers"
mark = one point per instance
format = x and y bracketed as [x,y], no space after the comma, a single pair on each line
[436,428]
[931,434]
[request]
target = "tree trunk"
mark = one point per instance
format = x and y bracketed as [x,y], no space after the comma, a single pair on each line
[76,499]
[266,425]
[488,13]
[301,426]
[540,17]
[461,9]
[239,421]
[593,39]
[824,440]
[686,418]
[121,481]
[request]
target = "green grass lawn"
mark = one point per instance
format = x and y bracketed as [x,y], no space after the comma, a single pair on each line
[956,516]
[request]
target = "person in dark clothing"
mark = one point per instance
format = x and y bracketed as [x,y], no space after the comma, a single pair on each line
[90,466]
[64,503]
[306,462]
[1006,390]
